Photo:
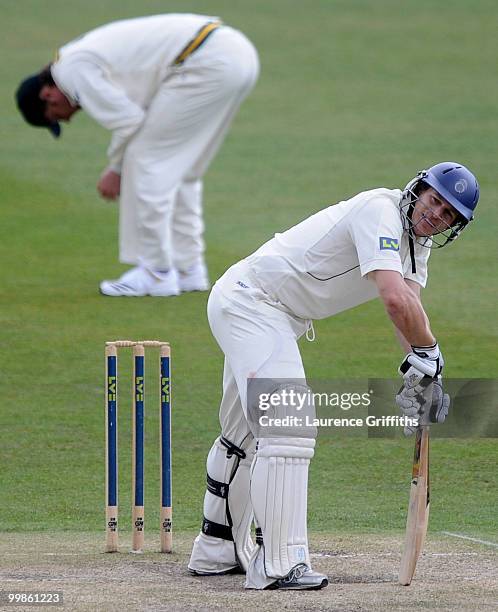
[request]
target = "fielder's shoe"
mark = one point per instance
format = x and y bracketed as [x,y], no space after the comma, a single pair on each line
[300,578]
[194,279]
[139,281]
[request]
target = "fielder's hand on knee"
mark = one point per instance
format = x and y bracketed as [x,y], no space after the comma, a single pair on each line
[426,402]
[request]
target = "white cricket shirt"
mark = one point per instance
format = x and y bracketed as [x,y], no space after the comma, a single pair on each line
[113,72]
[318,267]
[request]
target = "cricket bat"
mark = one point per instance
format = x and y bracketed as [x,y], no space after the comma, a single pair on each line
[418,508]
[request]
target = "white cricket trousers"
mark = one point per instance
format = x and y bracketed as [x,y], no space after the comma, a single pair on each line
[258,340]
[161,222]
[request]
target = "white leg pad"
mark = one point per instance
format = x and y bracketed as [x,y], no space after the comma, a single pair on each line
[279,489]
[231,515]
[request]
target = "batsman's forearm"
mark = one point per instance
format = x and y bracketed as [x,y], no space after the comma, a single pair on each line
[406,312]
[405,345]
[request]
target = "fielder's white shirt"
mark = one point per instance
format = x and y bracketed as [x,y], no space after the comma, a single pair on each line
[318,267]
[113,72]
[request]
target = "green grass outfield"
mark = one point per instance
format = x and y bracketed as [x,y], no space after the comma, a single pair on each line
[352,95]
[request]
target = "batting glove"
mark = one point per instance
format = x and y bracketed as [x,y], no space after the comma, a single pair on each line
[426,402]
[422,361]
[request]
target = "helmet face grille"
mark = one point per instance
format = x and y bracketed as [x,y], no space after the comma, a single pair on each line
[441,237]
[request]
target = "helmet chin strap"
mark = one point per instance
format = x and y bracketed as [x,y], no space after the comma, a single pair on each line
[411,242]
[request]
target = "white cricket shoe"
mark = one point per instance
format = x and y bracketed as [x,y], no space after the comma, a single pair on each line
[300,578]
[194,279]
[139,281]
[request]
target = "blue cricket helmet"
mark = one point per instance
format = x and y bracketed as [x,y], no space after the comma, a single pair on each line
[456,184]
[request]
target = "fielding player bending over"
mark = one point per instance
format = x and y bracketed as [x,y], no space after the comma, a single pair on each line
[167,87]
[375,244]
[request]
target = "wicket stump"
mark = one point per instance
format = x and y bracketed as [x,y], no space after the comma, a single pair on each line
[138,427]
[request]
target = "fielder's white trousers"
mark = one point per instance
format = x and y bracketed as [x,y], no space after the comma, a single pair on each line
[161,223]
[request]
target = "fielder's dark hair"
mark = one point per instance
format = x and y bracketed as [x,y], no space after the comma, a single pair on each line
[29,103]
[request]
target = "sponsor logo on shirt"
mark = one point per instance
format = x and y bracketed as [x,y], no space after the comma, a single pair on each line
[388,244]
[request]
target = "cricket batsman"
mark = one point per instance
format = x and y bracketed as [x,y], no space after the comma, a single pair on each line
[373,245]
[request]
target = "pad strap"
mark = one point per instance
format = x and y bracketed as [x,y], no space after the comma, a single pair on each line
[232,449]
[217,488]
[259,536]
[224,532]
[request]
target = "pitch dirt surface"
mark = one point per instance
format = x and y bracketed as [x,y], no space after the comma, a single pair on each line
[451,575]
